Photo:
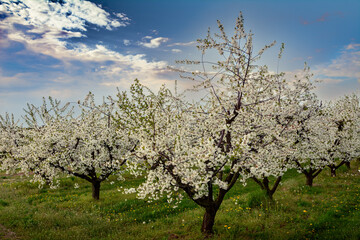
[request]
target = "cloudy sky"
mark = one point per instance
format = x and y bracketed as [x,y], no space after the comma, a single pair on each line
[66,48]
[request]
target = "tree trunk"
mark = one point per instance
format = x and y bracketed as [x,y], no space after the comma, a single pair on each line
[309,180]
[333,171]
[269,195]
[270,191]
[347,165]
[96,190]
[208,220]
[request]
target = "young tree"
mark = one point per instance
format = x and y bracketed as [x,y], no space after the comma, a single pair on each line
[200,148]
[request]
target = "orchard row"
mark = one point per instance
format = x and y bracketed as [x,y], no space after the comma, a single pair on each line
[249,124]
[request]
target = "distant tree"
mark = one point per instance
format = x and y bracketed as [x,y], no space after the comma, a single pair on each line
[270,145]
[57,142]
[312,140]
[344,113]
[11,138]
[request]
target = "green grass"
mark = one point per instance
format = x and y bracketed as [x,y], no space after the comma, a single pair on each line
[328,210]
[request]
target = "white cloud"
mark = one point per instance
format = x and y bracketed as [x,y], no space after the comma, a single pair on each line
[185,44]
[71,15]
[352,46]
[154,42]
[122,16]
[329,80]
[126,42]
[347,65]
[45,28]
[53,23]
[175,50]
[15,101]
[19,79]
[337,77]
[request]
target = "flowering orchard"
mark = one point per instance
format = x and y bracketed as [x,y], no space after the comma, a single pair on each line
[251,124]
[55,141]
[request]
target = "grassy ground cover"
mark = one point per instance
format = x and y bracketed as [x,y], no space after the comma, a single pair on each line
[328,210]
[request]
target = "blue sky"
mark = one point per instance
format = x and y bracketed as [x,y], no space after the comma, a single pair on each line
[70,47]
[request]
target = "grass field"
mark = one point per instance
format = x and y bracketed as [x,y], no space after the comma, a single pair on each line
[328,210]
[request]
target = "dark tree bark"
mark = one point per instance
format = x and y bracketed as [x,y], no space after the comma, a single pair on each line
[91,177]
[333,171]
[208,220]
[208,202]
[334,167]
[309,180]
[96,189]
[270,191]
[264,184]
[310,175]
[348,165]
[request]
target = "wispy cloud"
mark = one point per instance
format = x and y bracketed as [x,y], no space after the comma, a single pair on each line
[175,50]
[323,18]
[154,42]
[352,46]
[127,42]
[185,44]
[339,76]
[98,65]
[346,65]
[156,32]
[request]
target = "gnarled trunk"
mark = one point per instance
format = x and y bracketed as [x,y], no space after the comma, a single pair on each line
[270,192]
[334,167]
[96,190]
[309,180]
[208,220]
[264,184]
[310,175]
